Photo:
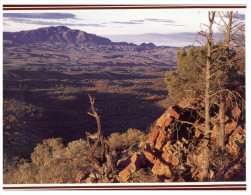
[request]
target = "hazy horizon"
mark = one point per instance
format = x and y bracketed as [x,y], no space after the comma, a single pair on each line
[161,27]
[181,39]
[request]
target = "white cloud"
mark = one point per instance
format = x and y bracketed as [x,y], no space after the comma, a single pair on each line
[115,21]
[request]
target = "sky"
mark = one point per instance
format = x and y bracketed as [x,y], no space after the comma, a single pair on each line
[173,27]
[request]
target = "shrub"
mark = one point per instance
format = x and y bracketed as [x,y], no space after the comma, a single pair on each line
[52,162]
[44,153]
[117,141]
[76,153]
[128,139]
[135,136]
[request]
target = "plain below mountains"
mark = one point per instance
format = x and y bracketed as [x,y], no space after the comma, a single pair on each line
[61,34]
[62,45]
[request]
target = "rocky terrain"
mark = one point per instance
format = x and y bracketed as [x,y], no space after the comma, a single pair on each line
[48,74]
[174,151]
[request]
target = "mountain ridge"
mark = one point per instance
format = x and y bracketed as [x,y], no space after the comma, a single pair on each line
[61,45]
[61,34]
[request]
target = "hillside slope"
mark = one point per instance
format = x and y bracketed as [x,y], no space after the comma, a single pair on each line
[54,34]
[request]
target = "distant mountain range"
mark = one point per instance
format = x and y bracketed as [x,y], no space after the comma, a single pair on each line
[54,34]
[64,34]
[181,39]
[61,45]
[61,34]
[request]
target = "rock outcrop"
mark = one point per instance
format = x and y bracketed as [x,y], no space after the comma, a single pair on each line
[130,165]
[175,152]
[175,146]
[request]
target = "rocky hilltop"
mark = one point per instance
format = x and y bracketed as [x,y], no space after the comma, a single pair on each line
[174,151]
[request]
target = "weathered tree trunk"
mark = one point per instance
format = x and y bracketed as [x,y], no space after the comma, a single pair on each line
[96,162]
[105,164]
[207,125]
[221,132]
[222,96]
[228,30]
[207,98]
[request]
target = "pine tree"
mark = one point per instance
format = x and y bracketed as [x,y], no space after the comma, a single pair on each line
[209,76]
[187,82]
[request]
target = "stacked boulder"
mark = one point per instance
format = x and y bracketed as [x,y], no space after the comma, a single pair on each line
[169,141]
[175,149]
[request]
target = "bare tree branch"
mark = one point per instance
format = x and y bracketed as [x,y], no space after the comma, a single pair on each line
[96,162]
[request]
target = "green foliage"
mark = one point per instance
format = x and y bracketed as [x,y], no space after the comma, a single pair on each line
[188,80]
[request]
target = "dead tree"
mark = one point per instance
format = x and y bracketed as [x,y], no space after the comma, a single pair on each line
[104,165]
[98,137]
[207,97]
[217,90]
[233,29]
